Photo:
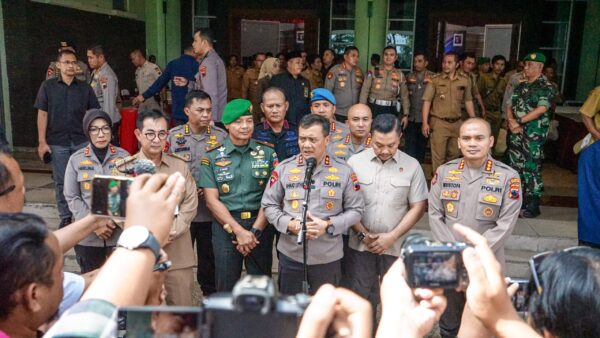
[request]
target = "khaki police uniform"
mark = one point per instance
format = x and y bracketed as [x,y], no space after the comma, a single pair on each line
[106,87]
[145,76]
[180,278]
[82,72]
[447,97]
[337,131]
[345,84]
[235,77]
[344,148]
[335,196]
[315,77]
[250,91]
[383,89]
[212,78]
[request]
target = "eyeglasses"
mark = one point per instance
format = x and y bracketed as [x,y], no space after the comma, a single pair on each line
[95,131]
[7,190]
[69,63]
[162,135]
[536,261]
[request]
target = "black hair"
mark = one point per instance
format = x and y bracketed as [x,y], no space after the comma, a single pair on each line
[25,258]
[312,57]
[452,53]
[140,51]
[569,305]
[195,95]
[149,114]
[269,54]
[420,52]
[498,57]
[257,54]
[97,50]
[376,57]
[65,52]
[188,49]
[5,177]
[466,55]
[310,120]
[349,49]
[386,123]
[389,47]
[206,34]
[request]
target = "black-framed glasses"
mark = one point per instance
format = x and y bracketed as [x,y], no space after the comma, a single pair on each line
[8,190]
[162,135]
[95,130]
[536,261]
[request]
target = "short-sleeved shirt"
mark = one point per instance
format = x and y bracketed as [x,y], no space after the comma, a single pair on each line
[66,105]
[344,148]
[297,93]
[345,84]
[447,96]
[212,78]
[416,84]
[591,107]
[146,75]
[388,189]
[239,173]
[386,85]
[106,86]
[284,142]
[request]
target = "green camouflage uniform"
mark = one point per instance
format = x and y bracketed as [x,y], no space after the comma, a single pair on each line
[492,90]
[526,150]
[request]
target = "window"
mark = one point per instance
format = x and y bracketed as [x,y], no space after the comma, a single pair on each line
[203,14]
[342,25]
[554,41]
[401,30]
[120,5]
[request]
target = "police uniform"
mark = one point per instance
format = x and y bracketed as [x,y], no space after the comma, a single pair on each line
[415,143]
[179,282]
[487,199]
[447,97]
[191,148]
[106,87]
[382,91]
[212,78]
[240,174]
[145,76]
[285,142]
[334,196]
[250,91]
[344,148]
[83,165]
[492,89]
[234,82]
[314,76]
[82,72]
[345,84]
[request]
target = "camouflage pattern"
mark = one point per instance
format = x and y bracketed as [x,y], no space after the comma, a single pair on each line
[526,150]
[492,90]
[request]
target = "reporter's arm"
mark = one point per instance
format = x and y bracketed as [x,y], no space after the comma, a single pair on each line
[75,232]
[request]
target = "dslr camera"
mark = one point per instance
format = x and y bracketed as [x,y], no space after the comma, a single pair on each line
[433,264]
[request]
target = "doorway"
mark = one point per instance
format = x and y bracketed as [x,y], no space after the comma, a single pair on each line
[487,40]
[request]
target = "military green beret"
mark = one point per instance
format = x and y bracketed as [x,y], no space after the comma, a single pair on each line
[236,108]
[483,60]
[536,57]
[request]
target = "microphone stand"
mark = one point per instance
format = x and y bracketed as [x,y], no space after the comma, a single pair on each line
[302,238]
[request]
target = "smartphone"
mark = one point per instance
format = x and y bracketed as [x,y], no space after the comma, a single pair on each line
[47,157]
[159,321]
[109,196]
[521,299]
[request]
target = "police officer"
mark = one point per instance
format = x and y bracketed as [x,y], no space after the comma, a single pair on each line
[295,86]
[415,143]
[96,158]
[234,175]
[345,81]
[491,87]
[476,191]
[151,133]
[444,96]
[322,102]
[146,73]
[190,142]
[106,87]
[335,205]
[235,75]
[276,130]
[211,76]
[385,86]
[359,137]
[250,84]
[528,118]
[82,72]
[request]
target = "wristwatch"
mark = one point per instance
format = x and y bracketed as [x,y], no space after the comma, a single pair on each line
[361,236]
[330,228]
[138,237]
[256,232]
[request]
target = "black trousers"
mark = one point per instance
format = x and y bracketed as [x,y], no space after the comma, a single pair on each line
[91,258]
[415,144]
[202,238]
[291,275]
[379,110]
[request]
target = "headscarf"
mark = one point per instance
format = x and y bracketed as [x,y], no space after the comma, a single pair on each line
[267,68]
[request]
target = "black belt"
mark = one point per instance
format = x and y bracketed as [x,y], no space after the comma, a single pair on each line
[447,119]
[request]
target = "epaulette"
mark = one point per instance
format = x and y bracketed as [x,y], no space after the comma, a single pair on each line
[215,146]
[270,145]
[435,75]
[176,156]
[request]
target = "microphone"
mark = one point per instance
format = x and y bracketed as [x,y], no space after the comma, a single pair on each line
[132,166]
[311,163]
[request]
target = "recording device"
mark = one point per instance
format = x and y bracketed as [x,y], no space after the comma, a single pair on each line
[47,158]
[109,196]
[255,309]
[159,321]
[433,264]
[521,298]
[133,166]
[311,163]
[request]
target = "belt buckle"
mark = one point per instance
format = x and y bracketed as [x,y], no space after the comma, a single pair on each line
[246,215]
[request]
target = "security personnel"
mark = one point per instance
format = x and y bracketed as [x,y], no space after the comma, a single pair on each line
[106,87]
[415,143]
[467,66]
[275,129]
[528,118]
[491,87]
[335,205]
[295,86]
[477,191]
[152,137]
[359,137]
[322,102]
[146,73]
[250,84]
[234,175]
[82,72]
[444,96]
[384,87]
[345,81]
[211,76]
[96,158]
[235,75]
[313,72]
[190,142]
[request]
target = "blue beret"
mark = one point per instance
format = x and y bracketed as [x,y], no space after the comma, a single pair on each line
[322,94]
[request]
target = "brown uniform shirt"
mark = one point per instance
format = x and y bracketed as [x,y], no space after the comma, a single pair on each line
[315,77]
[345,84]
[385,85]
[250,87]
[447,96]
[235,77]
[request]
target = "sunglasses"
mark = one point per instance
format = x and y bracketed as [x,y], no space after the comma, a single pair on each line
[536,261]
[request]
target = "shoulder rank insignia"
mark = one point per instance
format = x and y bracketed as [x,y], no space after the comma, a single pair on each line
[215,146]
[270,145]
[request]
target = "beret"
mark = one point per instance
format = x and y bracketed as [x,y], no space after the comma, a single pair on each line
[322,94]
[236,108]
[536,57]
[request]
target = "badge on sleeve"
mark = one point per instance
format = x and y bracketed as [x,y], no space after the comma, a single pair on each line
[274,178]
[355,182]
[514,191]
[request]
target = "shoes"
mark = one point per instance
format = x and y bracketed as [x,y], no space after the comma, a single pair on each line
[64,222]
[532,210]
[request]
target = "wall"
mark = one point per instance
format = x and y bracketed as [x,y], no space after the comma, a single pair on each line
[166,46]
[589,69]
[370,32]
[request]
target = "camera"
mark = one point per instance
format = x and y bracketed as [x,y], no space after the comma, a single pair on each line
[521,298]
[433,264]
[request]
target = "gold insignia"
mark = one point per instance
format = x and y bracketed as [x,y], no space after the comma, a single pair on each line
[452,178]
[86,162]
[296,171]
[487,212]
[86,175]
[87,186]
[333,169]
[223,163]
[492,181]
[340,152]
[332,177]
[450,207]
[490,198]
[294,178]
[294,194]
[295,204]
[455,172]
[225,188]
[329,205]
[341,146]
[331,193]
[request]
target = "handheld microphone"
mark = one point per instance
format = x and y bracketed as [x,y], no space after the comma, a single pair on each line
[311,163]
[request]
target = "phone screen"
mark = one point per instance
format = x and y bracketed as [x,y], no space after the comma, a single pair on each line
[521,298]
[159,321]
[435,269]
[109,196]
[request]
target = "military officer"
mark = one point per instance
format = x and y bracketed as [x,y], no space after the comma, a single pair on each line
[443,97]
[528,118]
[359,138]
[106,87]
[491,86]
[476,191]
[151,133]
[211,76]
[323,103]
[345,81]
[146,73]
[384,87]
[415,143]
[235,75]
[250,84]
[234,175]
[313,72]
[275,129]
[335,205]
[82,72]
[190,142]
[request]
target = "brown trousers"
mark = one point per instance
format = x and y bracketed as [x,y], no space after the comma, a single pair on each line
[444,142]
[179,284]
